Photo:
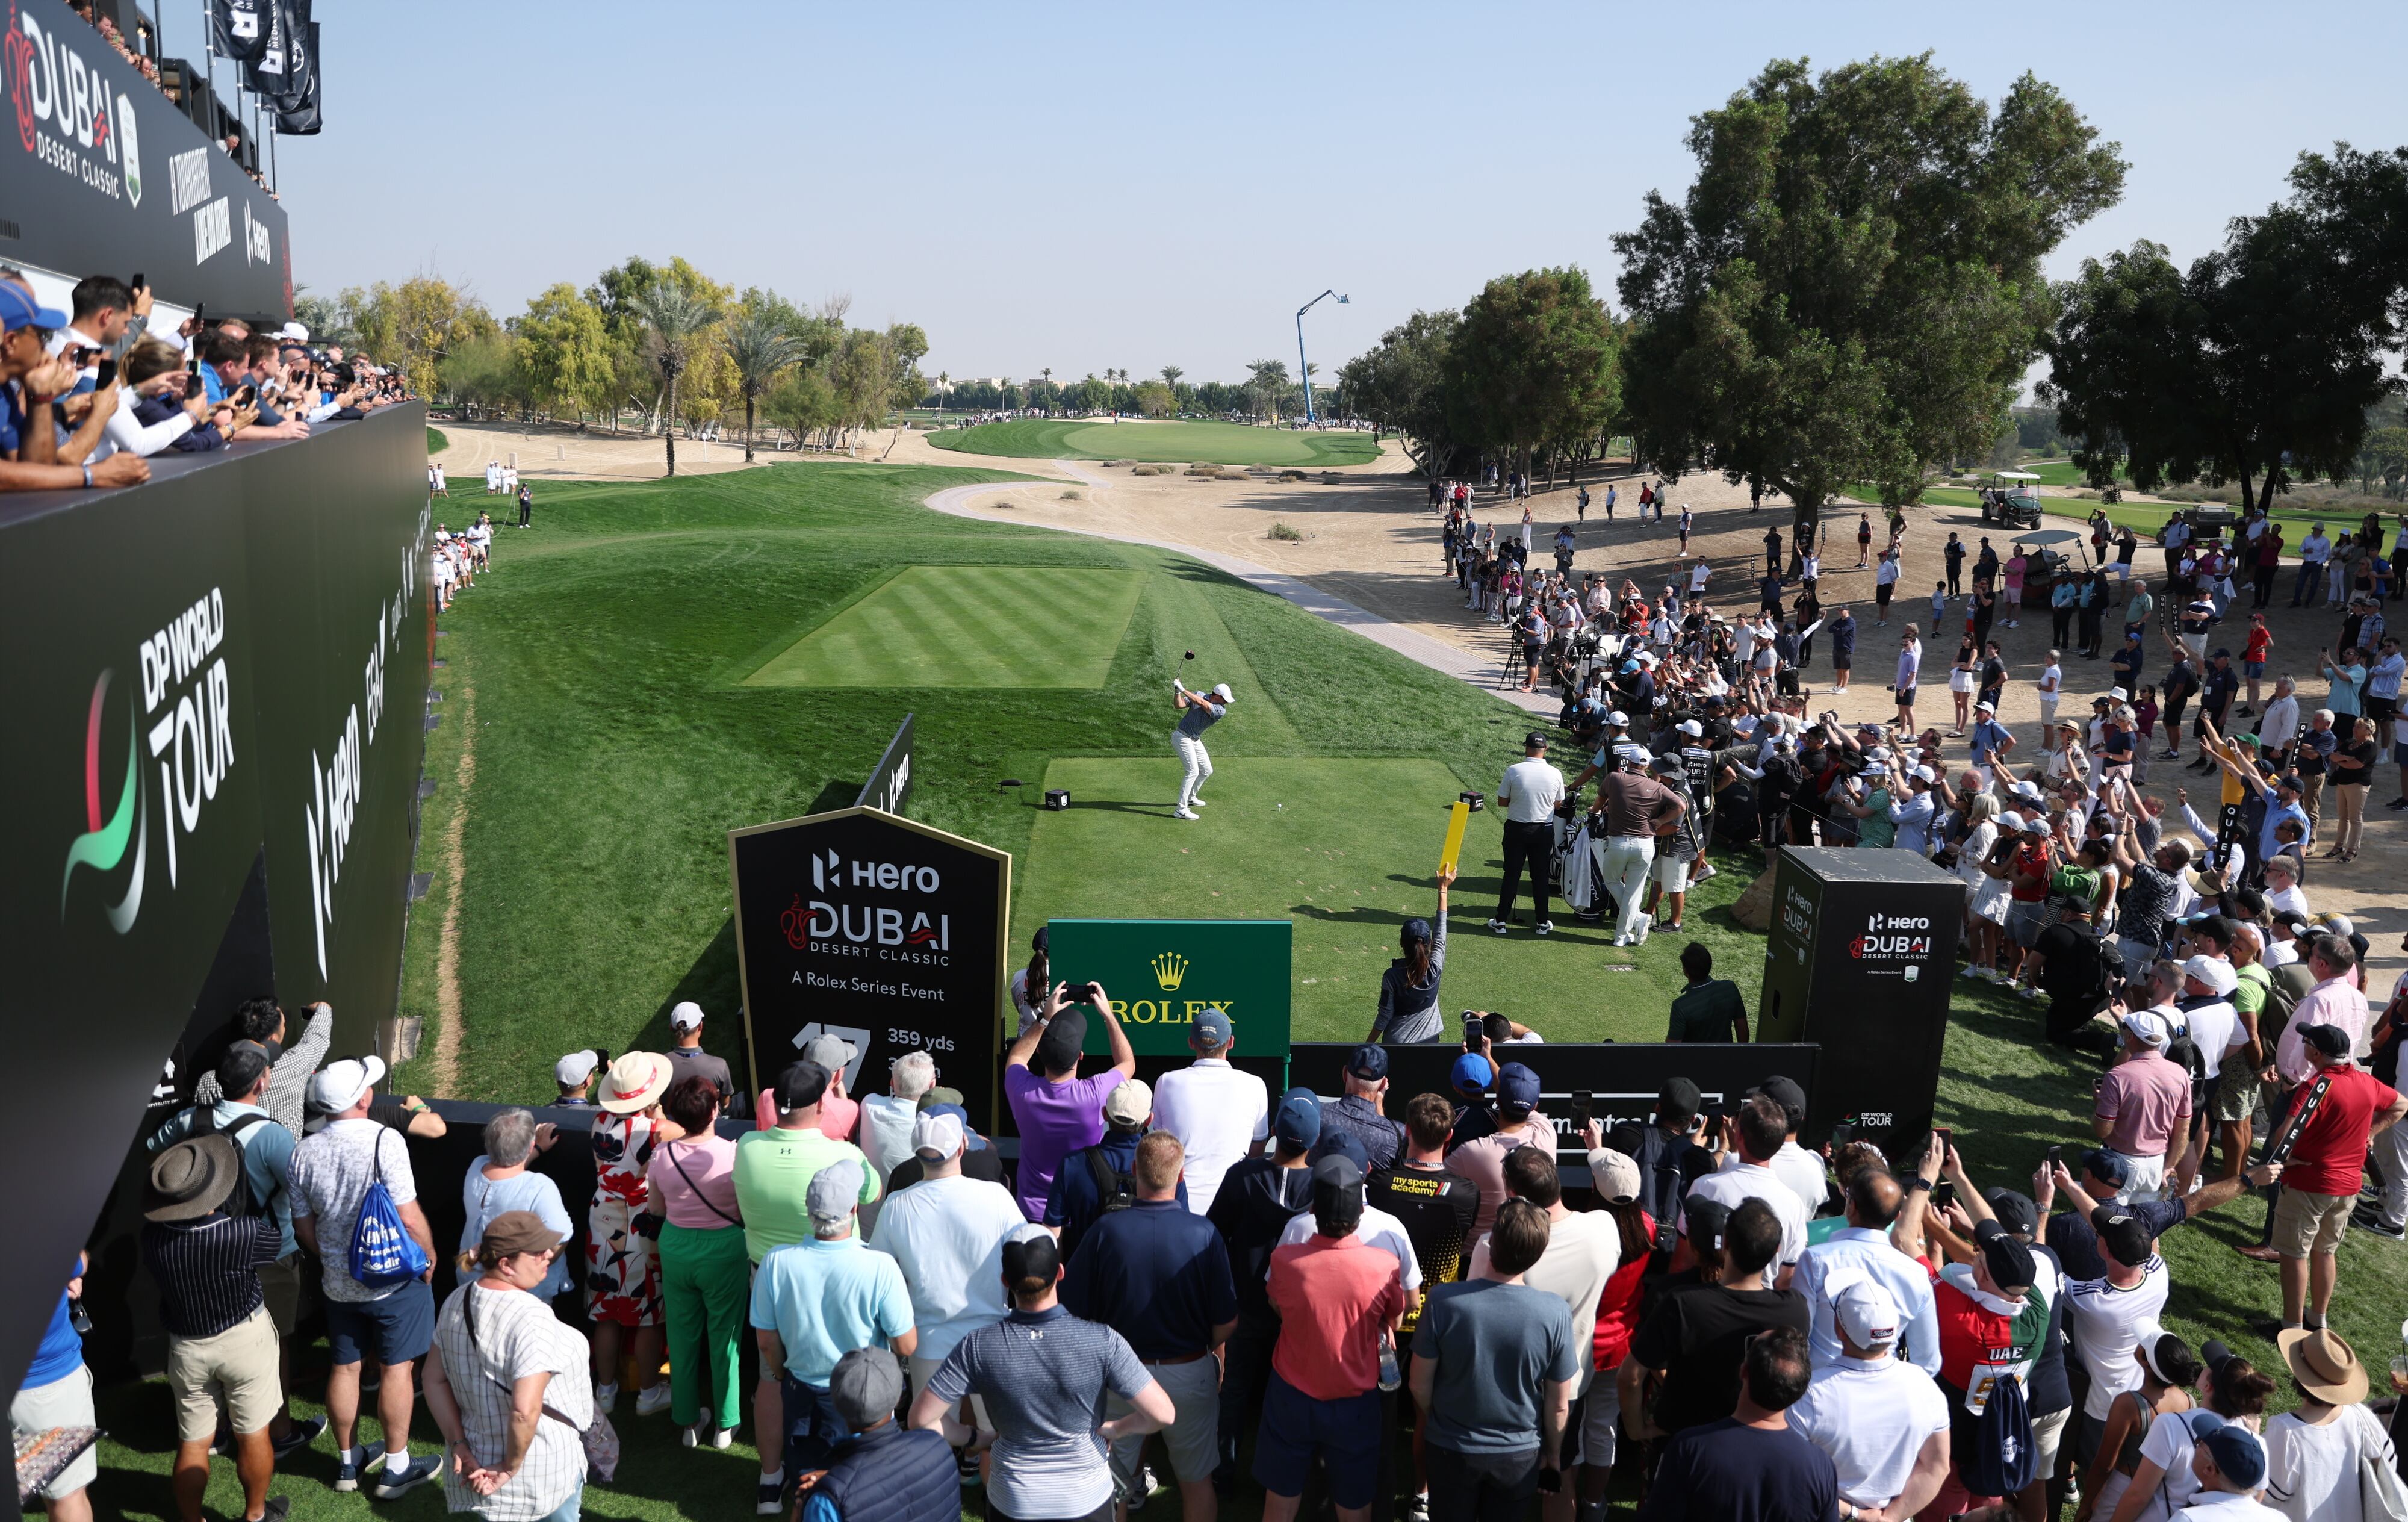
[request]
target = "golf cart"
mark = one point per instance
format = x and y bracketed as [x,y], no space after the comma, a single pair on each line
[2014,503]
[2045,561]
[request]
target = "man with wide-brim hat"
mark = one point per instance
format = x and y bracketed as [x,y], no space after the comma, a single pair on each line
[623,1277]
[220,1337]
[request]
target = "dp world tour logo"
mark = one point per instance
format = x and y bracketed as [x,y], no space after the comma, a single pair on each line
[101,846]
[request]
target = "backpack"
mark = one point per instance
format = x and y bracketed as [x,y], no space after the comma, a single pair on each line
[383,1253]
[2003,1461]
[1117,1190]
[240,1203]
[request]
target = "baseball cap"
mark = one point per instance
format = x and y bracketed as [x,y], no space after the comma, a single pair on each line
[2237,1454]
[1985,708]
[833,1192]
[1703,1220]
[1534,739]
[834,1053]
[2123,1236]
[239,1069]
[2010,1262]
[1517,1087]
[576,1067]
[1690,727]
[2329,1041]
[1782,1091]
[1336,1142]
[2015,1211]
[1298,1121]
[1211,1025]
[1369,1062]
[1057,1050]
[18,309]
[1924,774]
[1032,1253]
[1868,1314]
[1415,930]
[685,1016]
[864,1386]
[937,1134]
[1614,1175]
[942,1093]
[1678,1100]
[338,1086]
[2214,972]
[1473,1075]
[2150,1027]
[2107,1167]
[802,1083]
[1129,1103]
[1221,689]
[1618,720]
[1337,1191]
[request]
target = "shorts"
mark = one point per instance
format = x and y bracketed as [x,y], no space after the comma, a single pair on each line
[281,1283]
[1906,697]
[1594,1437]
[919,1371]
[237,1364]
[1344,1434]
[2306,1225]
[2026,919]
[1670,875]
[2048,1435]
[400,1326]
[1194,1435]
[2252,668]
[2236,1092]
[1841,662]
[66,1401]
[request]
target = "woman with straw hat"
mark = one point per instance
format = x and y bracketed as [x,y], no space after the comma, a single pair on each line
[2322,1458]
[622,1276]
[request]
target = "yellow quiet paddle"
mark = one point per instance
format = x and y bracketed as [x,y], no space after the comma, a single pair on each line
[1457,818]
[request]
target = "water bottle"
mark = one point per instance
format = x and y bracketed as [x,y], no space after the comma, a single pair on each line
[1390,1375]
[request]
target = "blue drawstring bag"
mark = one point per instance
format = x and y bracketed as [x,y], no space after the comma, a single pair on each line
[383,1253]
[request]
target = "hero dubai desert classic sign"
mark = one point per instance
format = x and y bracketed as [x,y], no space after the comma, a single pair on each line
[882,931]
[1902,941]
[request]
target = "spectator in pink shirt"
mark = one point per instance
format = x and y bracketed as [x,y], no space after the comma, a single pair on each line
[2335,1000]
[2144,1103]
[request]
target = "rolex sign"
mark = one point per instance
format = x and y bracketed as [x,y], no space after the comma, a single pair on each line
[1158,973]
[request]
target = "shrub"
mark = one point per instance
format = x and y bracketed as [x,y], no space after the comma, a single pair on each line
[1073,495]
[1291,474]
[1285,531]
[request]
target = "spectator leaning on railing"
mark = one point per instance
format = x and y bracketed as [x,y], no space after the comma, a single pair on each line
[35,458]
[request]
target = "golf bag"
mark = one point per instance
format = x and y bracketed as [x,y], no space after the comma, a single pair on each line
[1578,883]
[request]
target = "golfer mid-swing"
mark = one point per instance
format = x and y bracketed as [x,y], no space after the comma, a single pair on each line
[1199,713]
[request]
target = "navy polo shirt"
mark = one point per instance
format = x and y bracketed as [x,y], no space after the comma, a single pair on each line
[1075,1201]
[1158,1274]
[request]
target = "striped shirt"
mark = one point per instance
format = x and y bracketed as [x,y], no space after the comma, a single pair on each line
[208,1270]
[514,1335]
[287,1081]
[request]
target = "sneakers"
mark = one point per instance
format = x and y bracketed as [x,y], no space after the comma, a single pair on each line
[605,1399]
[651,1401]
[1417,1509]
[702,1434]
[303,1433]
[1196,803]
[2367,1220]
[765,1501]
[275,1509]
[965,1468]
[1496,927]
[393,1484]
[1544,926]
[2398,803]
[1182,813]
[347,1474]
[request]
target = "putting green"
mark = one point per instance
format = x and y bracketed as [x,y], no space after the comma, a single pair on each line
[1218,443]
[1344,848]
[966,626]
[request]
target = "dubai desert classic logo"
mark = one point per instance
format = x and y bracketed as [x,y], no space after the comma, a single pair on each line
[101,846]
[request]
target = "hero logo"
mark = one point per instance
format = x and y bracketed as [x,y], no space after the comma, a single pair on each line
[867,929]
[66,116]
[186,685]
[1893,938]
[338,780]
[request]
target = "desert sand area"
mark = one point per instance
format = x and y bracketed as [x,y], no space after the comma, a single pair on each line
[1370,539]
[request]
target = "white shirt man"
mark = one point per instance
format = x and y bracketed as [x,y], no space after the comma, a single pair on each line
[1219,1114]
[1860,1252]
[887,1119]
[1698,574]
[2316,547]
[1884,1423]
[2280,723]
[2107,1317]
[1531,789]
[2208,982]
[947,1232]
[1752,1179]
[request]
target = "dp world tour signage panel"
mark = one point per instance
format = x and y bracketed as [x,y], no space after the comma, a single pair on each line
[1158,973]
[889,933]
[103,175]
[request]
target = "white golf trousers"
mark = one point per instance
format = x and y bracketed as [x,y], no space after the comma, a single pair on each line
[1624,861]
[1197,760]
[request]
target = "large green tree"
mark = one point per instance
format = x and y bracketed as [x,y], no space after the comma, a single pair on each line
[1536,361]
[1851,288]
[1401,384]
[565,350]
[2260,363]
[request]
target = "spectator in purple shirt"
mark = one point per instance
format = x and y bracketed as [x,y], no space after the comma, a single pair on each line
[1060,1112]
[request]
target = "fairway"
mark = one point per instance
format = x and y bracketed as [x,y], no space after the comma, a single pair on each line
[1345,848]
[966,626]
[1217,443]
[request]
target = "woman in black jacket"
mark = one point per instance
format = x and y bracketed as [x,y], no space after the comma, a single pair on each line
[1409,988]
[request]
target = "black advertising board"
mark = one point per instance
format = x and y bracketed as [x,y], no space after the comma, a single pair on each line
[889,933]
[1861,960]
[104,175]
[890,785]
[1622,1079]
[214,696]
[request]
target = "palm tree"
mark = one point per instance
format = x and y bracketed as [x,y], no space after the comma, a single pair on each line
[678,317]
[944,384]
[760,351]
[1170,374]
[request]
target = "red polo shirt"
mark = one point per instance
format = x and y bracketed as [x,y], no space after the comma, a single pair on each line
[1334,1296]
[2329,1156]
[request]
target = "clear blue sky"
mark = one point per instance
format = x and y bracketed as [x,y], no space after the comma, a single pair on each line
[1138,185]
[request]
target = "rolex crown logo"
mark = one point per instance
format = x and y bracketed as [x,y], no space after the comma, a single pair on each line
[1169,969]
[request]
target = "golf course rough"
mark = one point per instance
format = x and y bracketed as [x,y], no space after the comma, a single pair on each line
[1202,442]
